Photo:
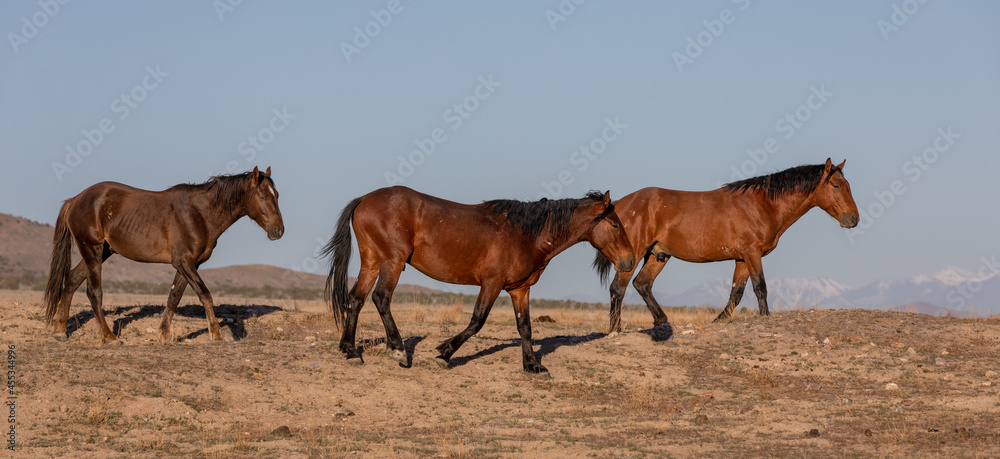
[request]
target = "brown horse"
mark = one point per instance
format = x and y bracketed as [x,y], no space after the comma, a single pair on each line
[741,221]
[180,226]
[497,245]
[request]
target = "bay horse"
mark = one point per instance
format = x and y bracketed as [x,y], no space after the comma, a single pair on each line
[741,221]
[180,226]
[497,245]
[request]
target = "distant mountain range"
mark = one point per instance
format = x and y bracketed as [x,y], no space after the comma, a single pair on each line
[951,291]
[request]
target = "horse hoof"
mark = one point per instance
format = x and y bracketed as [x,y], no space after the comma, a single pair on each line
[441,362]
[400,357]
[536,368]
[355,361]
[61,337]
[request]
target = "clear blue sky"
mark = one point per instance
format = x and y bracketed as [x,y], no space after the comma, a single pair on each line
[891,74]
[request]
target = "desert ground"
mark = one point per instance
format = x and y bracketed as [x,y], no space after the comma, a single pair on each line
[802,383]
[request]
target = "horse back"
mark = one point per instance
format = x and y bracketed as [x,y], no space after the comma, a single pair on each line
[690,225]
[136,223]
[444,239]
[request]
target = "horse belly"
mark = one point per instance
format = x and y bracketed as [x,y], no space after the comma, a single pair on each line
[136,250]
[139,242]
[699,249]
[453,267]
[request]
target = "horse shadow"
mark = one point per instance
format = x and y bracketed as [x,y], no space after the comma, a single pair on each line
[231,316]
[549,345]
[409,344]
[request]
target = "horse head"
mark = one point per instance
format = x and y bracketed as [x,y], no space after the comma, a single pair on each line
[833,195]
[607,234]
[262,204]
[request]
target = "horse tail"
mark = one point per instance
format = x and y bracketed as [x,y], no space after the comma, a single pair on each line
[603,267]
[339,250]
[59,267]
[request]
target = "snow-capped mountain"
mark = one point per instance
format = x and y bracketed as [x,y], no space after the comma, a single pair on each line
[783,293]
[952,290]
[957,290]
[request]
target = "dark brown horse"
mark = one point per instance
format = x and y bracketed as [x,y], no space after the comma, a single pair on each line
[497,245]
[741,221]
[180,226]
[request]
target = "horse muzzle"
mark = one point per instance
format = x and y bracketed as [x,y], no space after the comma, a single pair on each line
[275,232]
[849,220]
[625,264]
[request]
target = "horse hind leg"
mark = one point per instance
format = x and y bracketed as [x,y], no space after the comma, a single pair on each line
[76,278]
[382,296]
[366,279]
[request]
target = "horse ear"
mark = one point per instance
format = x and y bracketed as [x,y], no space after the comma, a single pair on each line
[607,197]
[828,166]
[255,175]
[841,165]
[268,171]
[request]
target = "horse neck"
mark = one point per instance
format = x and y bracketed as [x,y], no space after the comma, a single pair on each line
[788,209]
[220,219]
[550,244]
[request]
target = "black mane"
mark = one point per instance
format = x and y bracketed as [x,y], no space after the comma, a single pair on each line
[531,218]
[232,190]
[799,179]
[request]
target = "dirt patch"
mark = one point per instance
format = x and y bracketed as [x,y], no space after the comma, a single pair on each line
[799,383]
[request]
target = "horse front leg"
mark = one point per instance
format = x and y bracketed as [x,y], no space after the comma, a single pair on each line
[92,258]
[618,286]
[189,270]
[176,292]
[759,287]
[740,275]
[643,284]
[519,298]
[487,296]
